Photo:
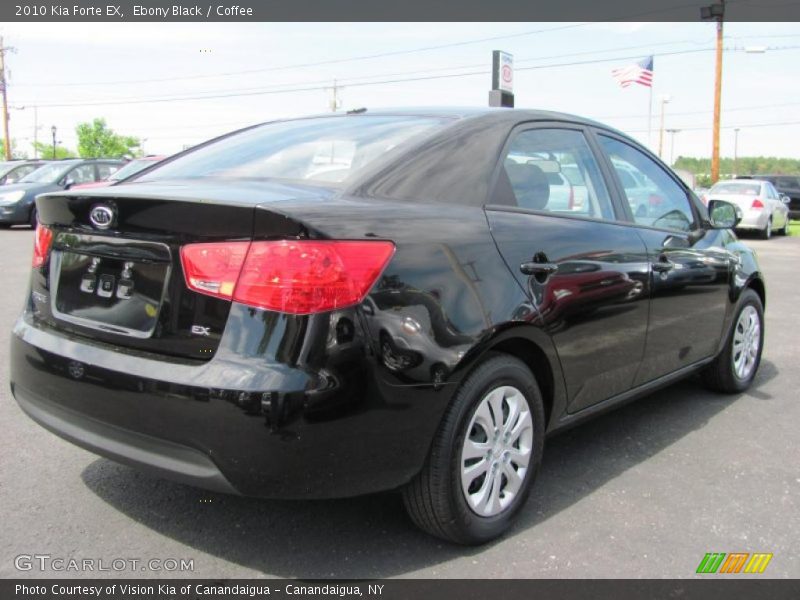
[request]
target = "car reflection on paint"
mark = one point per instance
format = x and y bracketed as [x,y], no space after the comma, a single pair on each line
[407,339]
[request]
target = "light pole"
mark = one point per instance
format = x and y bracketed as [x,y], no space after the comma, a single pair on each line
[53,130]
[672,133]
[736,151]
[664,101]
[35,126]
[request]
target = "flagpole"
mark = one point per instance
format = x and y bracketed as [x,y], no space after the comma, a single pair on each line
[650,105]
[650,119]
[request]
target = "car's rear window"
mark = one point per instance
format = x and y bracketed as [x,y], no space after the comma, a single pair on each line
[324,149]
[735,187]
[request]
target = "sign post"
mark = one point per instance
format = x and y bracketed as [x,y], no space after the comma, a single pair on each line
[502,93]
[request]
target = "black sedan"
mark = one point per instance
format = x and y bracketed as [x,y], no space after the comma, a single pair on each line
[338,305]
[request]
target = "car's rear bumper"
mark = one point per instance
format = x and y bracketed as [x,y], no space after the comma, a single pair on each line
[235,423]
[160,457]
[753,219]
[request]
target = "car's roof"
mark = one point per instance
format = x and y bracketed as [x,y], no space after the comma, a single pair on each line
[86,160]
[743,181]
[504,115]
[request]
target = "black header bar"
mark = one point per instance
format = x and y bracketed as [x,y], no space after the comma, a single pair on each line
[377,10]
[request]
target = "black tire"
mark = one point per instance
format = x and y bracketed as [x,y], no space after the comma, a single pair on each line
[434,499]
[766,233]
[785,229]
[720,376]
[34,218]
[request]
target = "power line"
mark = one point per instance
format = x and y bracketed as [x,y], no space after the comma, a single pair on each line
[745,126]
[702,112]
[317,63]
[311,86]
[451,68]
[371,56]
[270,91]
[439,69]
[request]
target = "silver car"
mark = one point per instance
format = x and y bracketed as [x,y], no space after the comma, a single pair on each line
[761,207]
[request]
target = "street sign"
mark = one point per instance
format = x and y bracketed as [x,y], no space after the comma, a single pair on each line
[502,93]
[506,79]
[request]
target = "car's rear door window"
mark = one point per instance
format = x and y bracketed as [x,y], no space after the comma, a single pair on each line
[553,170]
[656,200]
[104,170]
[81,174]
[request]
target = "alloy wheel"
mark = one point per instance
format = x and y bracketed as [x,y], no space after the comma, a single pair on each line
[746,342]
[496,451]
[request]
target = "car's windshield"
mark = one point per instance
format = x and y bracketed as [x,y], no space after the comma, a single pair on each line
[131,168]
[324,149]
[48,173]
[735,187]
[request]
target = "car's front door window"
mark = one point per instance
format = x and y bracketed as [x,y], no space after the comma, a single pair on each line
[656,199]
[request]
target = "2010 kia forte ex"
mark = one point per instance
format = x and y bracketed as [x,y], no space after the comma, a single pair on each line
[331,306]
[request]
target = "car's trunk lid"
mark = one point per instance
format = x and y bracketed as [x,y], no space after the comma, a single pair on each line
[115,273]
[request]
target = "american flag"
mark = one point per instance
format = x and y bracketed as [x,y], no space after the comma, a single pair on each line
[640,72]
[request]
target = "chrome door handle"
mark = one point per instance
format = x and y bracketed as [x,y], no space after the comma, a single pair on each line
[536,268]
[663,265]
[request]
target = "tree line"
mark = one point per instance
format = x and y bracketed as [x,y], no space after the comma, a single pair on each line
[744,165]
[95,140]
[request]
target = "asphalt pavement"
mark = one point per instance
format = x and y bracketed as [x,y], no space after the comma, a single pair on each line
[644,491]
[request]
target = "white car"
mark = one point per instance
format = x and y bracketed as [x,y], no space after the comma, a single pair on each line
[759,203]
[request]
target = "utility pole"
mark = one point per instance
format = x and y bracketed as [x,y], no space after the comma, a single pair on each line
[716,12]
[35,131]
[672,133]
[6,135]
[35,126]
[664,101]
[335,101]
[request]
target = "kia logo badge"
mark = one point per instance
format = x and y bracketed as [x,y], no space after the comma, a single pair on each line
[101,216]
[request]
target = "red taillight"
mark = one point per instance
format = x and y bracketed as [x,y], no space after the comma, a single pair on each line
[757,204]
[213,269]
[291,276]
[41,245]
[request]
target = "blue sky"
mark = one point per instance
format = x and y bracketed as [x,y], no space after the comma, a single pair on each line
[71,63]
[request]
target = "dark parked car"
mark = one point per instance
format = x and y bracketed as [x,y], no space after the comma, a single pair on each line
[13,170]
[129,170]
[16,199]
[338,305]
[787,185]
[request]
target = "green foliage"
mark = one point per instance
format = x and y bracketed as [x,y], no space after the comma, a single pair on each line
[45,150]
[745,165]
[15,152]
[98,140]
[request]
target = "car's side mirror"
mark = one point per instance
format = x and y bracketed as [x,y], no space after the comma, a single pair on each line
[723,215]
[69,183]
[785,199]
